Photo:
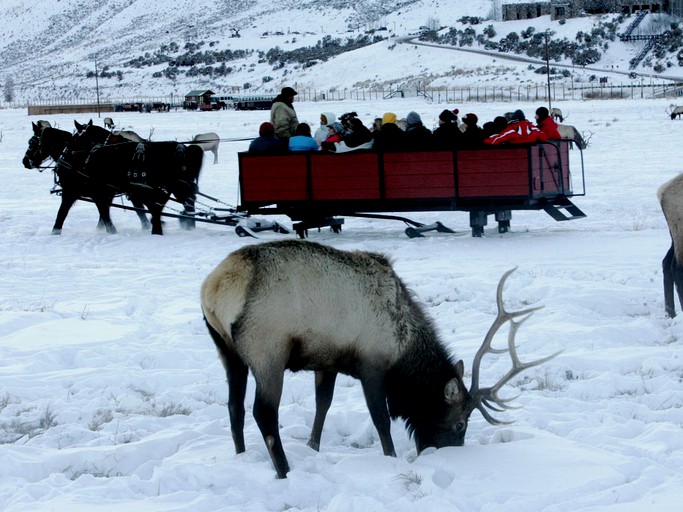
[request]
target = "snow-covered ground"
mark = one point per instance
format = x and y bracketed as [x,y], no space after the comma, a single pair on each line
[112,396]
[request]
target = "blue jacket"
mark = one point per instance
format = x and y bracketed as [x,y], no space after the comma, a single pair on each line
[302,143]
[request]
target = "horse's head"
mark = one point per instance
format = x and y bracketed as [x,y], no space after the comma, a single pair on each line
[34,156]
[86,137]
[91,134]
[46,142]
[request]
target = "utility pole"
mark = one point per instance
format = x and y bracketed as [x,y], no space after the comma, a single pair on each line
[547,70]
[97,90]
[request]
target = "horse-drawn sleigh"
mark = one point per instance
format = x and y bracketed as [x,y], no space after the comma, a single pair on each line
[313,189]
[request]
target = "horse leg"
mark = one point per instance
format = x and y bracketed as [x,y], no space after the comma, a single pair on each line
[103,205]
[215,155]
[144,221]
[67,202]
[188,209]
[155,212]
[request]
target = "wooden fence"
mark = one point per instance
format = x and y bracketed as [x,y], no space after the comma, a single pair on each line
[479,94]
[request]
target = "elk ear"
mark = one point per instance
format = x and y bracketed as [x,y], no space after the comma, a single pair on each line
[460,369]
[452,392]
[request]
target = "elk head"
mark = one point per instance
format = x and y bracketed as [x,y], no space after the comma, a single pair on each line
[460,401]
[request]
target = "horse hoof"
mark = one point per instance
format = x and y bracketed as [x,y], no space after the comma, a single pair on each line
[56,231]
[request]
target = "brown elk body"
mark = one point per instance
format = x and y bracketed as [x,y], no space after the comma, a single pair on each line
[567,131]
[298,305]
[208,142]
[669,195]
[556,114]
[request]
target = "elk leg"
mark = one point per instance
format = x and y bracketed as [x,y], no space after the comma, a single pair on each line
[237,373]
[376,398]
[266,416]
[677,271]
[668,264]
[324,390]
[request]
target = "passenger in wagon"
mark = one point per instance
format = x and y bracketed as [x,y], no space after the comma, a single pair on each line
[346,122]
[267,142]
[447,135]
[302,140]
[517,131]
[326,119]
[494,127]
[547,124]
[389,137]
[335,132]
[473,136]
[282,114]
[418,136]
[357,137]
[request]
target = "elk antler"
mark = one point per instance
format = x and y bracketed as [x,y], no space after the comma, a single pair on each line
[489,396]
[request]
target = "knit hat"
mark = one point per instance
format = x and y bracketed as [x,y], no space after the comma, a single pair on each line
[448,116]
[542,113]
[413,119]
[266,130]
[337,127]
[389,117]
[470,119]
[288,91]
[517,115]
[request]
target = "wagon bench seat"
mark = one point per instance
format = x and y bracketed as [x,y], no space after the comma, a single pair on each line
[490,180]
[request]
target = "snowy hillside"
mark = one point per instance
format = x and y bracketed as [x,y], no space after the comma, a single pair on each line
[49,50]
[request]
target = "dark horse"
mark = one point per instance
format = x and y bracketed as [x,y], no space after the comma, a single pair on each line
[149,173]
[48,142]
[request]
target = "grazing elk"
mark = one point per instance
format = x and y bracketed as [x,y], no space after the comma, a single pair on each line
[556,114]
[299,305]
[569,132]
[675,111]
[208,142]
[669,196]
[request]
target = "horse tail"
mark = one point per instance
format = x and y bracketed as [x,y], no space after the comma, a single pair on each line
[194,158]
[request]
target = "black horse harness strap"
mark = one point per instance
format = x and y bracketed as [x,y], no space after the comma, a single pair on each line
[137,172]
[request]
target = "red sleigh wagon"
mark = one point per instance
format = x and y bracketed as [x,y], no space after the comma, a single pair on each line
[319,189]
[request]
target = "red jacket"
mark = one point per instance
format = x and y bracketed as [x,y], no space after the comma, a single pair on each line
[518,133]
[549,127]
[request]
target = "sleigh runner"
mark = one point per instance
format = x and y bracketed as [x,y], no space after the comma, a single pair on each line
[315,189]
